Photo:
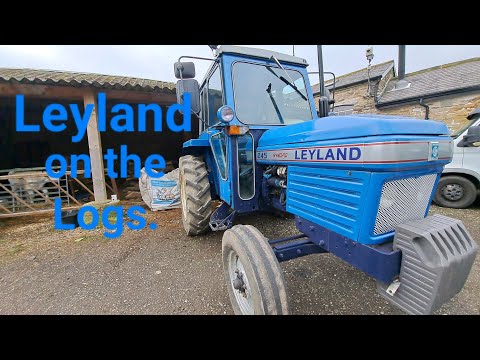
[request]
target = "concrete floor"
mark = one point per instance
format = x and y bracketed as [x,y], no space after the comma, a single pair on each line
[43,271]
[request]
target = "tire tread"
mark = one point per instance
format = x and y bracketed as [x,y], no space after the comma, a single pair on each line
[198,197]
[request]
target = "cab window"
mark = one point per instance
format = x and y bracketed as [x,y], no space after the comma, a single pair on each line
[203,108]
[215,96]
[218,142]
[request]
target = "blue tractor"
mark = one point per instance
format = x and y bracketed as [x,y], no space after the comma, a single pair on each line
[359,186]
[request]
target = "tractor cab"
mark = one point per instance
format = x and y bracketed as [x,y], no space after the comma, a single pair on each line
[245,92]
[257,88]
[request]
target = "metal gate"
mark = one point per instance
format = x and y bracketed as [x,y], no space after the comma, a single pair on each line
[32,191]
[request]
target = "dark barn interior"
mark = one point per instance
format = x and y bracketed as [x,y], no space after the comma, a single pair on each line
[28,151]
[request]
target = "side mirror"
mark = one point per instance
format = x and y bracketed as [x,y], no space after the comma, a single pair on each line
[330,100]
[187,69]
[189,86]
[472,137]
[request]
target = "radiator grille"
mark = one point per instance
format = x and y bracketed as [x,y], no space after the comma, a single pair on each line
[403,200]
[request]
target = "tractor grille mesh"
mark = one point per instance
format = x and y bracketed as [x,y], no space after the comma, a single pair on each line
[403,200]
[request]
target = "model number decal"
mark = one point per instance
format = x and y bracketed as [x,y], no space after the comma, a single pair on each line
[262,155]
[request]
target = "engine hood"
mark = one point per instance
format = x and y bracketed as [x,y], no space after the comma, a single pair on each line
[351,126]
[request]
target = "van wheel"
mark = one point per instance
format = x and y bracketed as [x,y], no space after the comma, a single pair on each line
[455,192]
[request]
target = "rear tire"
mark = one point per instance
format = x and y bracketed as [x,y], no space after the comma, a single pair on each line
[455,192]
[261,289]
[195,195]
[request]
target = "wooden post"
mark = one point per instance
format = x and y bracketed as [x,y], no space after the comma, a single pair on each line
[95,149]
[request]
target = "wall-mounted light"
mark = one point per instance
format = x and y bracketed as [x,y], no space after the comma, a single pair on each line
[369,55]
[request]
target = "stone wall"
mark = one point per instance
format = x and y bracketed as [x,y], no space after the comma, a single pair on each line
[452,109]
[382,86]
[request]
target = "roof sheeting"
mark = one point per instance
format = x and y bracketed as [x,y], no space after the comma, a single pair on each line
[359,76]
[449,78]
[68,78]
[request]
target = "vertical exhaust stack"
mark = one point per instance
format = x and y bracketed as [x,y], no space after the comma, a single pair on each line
[323,101]
[401,62]
[401,83]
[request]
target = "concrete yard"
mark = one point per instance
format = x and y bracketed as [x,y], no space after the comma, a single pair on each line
[43,271]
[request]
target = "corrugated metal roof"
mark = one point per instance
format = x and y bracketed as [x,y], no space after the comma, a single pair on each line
[68,78]
[359,76]
[458,76]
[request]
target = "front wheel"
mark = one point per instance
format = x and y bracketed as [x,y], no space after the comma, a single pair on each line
[255,281]
[455,192]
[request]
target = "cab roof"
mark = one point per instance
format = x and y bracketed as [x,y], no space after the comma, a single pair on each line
[261,54]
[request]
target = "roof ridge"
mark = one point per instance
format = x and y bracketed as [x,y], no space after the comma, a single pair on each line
[363,69]
[80,73]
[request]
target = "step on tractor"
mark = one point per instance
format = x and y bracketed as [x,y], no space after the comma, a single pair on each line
[358,186]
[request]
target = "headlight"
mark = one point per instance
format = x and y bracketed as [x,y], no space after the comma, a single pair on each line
[225,114]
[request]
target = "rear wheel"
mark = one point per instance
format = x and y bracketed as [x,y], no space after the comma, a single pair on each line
[455,192]
[255,281]
[195,195]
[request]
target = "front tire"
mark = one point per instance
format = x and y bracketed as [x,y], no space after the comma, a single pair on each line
[255,281]
[195,195]
[455,192]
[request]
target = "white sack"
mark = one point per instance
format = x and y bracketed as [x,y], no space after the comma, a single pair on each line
[160,193]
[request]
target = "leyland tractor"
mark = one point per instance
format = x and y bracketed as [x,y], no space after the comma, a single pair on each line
[358,186]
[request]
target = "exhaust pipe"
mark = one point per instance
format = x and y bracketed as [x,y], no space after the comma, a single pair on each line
[401,83]
[401,62]
[323,101]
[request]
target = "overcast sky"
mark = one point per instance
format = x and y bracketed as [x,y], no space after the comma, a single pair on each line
[156,61]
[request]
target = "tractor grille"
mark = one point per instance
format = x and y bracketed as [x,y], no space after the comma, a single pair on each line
[403,200]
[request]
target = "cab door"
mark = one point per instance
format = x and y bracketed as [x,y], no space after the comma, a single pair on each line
[219,142]
[457,159]
[471,155]
[219,145]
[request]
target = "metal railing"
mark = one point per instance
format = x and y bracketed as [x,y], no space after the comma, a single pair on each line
[32,191]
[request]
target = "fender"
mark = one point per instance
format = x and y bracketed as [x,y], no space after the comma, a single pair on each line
[196,143]
[196,146]
[475,174]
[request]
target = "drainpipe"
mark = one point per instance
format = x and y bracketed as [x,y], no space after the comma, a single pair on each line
[427,109]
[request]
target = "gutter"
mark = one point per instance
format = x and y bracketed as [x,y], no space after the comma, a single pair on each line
[429,96]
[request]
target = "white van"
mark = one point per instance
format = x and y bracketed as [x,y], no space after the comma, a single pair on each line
[460,182]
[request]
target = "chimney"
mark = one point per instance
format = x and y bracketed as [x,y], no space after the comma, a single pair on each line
[401,83]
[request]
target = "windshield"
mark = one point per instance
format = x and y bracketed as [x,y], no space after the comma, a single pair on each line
[460,131]
[263,95]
